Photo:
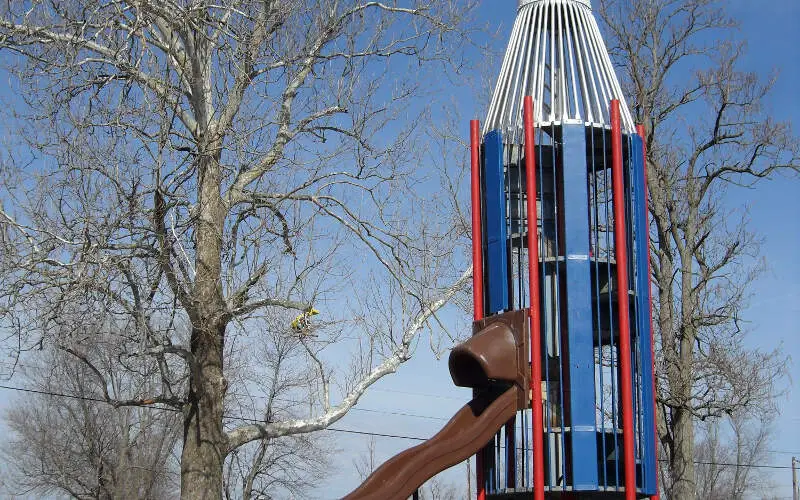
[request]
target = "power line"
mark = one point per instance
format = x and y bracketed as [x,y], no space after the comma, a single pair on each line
[401,414]
[231,417]
[100,400]
[69,396]
[408,393]
[374,434]
[349,431]
[355,408]
[743,466]
[335,429]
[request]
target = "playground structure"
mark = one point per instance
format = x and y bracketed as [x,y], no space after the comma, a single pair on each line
[561,361]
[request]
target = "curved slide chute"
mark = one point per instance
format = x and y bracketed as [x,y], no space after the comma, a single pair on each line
[463,436]
[494,363]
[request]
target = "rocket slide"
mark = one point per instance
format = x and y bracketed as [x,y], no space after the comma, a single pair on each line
[463,436]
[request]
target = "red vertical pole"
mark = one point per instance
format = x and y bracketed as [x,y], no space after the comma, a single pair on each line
[477,241]
[477,264]
[621,253]
[535,313]
[641,131]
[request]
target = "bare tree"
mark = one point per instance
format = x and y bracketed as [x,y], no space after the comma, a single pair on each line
[437,489]
[365,463]
[707,132]
[190,166]
[120,443]
[82,448]
[284,467]
[726,450]
[277,467]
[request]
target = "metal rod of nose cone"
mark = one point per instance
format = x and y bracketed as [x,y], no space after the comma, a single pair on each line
[477,264]
[621,254]
[533,284]
[641,131]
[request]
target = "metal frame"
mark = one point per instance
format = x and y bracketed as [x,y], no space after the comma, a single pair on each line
[623,304]
[477,261]
[535,315]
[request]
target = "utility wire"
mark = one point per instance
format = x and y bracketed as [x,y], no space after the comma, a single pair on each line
[401,414]
[355,408]
[68,396]
[347,431]
[744,466]
[437,396]
[166,408]
[100,400]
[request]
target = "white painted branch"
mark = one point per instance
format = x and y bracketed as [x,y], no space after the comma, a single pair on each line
[402,353]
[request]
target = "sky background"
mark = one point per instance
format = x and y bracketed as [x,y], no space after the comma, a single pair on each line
[420,398]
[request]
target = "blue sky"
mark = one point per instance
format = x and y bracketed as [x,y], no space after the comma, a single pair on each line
[770,29]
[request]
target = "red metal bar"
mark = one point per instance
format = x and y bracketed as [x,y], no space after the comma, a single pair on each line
[477,265]
[641,131]
[477,241]
[535,313]
[621,253]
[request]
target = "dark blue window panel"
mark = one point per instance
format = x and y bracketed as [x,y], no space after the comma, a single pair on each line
[642,249]
[496,262]
[579,310]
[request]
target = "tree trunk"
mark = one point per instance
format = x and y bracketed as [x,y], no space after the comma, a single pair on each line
[682,463]
[205,443]
[683,419]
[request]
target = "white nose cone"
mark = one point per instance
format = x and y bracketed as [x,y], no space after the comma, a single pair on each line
[557,55]
[587,3]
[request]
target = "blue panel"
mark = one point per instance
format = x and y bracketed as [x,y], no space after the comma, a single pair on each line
[641,245]
[579,310]
[496,262]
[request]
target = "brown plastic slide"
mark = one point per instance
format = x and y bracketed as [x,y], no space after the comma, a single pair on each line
[496,354]
[466,433]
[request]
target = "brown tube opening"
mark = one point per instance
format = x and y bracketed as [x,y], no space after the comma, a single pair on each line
[490,355]
[467,371]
